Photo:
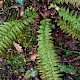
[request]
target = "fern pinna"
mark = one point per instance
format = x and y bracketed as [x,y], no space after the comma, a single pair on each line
[10,30]
[48,62]
[69,23]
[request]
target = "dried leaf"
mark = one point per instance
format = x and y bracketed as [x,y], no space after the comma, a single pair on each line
[33,57]
[18,47]
[45,14]
[33,53]
[1,3]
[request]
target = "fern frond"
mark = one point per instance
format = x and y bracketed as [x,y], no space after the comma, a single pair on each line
[48,62]
[62,1]
[68,69]
[77,2]
[10,30]
[69,24]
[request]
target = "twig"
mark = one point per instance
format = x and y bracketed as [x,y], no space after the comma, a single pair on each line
[71,51]
[74,59]
[65,50]
[10,8]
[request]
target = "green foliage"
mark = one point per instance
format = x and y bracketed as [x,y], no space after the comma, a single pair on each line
[77,2]
[68,53]
[30,73]
[16,63]
[69,23]
[13,66]
[48,62]
[61,43]
[68,69]
[9,32]
[30,12]
[26,37]
[62,1]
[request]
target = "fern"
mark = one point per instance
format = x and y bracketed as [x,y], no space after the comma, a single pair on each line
[9,32]
[69,23]
[68,69]
[48,62]
[62,1]
[66,1]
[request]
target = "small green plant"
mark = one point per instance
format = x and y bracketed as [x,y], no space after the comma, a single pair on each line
[30,73]
[61,43]
[68,69]
[17,63]
[68,53]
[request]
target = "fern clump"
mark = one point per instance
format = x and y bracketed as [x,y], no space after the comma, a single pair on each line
[10,30]
[69,23]
[48,62]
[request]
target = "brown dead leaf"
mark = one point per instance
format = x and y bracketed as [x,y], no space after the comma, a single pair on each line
[17,46]
[33,57]
[45,14]
[33,53]
[1,3]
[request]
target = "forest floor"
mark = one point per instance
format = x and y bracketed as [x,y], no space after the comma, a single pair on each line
[67,48]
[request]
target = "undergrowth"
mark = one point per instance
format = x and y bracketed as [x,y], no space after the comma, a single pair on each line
[48,62]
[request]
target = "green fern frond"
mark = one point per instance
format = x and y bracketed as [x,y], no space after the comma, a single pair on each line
[66,1]
[48,62]
[68,69]
[62,1]
[69,24]
[77,2]
[10,30]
